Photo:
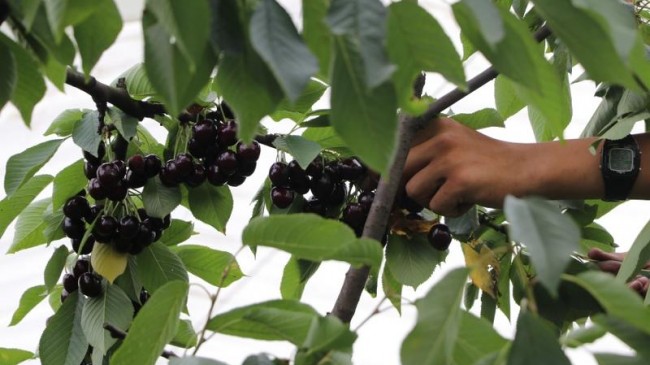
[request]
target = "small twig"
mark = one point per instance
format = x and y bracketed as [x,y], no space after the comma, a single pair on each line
[121,335]
[372,314]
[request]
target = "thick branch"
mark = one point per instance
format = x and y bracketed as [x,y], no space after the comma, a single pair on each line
[375,228]
[116,96]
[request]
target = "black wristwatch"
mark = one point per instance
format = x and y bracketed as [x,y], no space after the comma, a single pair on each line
[619,165]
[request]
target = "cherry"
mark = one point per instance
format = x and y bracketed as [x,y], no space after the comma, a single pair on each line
[76,207]
[128,227]
[197,177]
[196,148]
[315,168]
[338,195]
[315,206]
[101,151]
[73,228]
[157,233]
[226,111]
[145,236]
[154,223]
[93,213]
[105,228]
[246,168]
[248,152]
[300,183]
[332,169]
[354,216]
[170,175]
[281,197]
[95,189]
[121,167]
[227,162]
[366,198]
[351,169]
[144,296]
[236,180]
[90,285]
[279,174]
[166,221]
[322,187]
[439,236]
[152,165]
[90,169]
[70,283]
[204,132]
[184,165]
[369,182]
[118,192]
[80,267]
[215,176]
[108,175]
[88,246]
[122,245]
[135,179]
[136,164]
[142,213]
[227,134]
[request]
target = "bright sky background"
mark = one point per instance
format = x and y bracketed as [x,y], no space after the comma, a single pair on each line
[379,340]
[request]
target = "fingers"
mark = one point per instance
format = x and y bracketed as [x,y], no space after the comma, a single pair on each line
[640,284]
[609,266]
[600,255]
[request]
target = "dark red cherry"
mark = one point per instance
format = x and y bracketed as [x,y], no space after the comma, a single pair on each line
[196,148]
[339,193]
[226,112]
[300,183]
[90,169]
[122,245]
[227,134]
[322,187]
[73,228]
[76,207]
[95,189]
[248,152]
[70,283]
[152,165]
[118,192]
[279,174]
[90,285]
[246,168]
[105,228]
[215,176]
[128,227]
[439,236]
[366,198]
[94,212]
[80,267]
[136,164]
[351,169]
[101,151]
[184,165]
[197,177]
[135,180]
[121,167]
[354,215]
[281,197]
[88,246]
[204,132]
[236,180]
[315,206]
[227,162]
[315,168]
[108,175]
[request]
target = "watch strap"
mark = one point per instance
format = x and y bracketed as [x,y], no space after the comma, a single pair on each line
[618,184]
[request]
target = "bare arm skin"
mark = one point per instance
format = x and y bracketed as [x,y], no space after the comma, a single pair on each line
[451,167]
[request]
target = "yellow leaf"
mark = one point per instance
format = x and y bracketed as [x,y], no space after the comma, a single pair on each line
[484,266]
[107,262]
[403,225]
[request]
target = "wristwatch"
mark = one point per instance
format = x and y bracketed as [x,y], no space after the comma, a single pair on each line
[619,165]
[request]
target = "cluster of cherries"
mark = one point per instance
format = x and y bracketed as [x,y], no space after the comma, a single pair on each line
[83,279]
[215,155]
[329,183]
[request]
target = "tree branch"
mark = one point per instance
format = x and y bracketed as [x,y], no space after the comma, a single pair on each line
[355,278]
[121,335]
[116,96]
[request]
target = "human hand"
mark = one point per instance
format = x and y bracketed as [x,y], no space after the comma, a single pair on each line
[611,262]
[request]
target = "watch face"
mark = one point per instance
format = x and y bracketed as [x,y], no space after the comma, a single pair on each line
[621,160]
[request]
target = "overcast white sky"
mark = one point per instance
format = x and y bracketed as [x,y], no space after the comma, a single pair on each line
[379,340]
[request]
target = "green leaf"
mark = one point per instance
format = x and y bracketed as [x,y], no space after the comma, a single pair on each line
[12,206]
[86,133]
[637,256]
[22,166]
[435,333]
[535,343]
[129,281]
[326,137]
[549,235]
[218,268]
[516,56]
[14,356]
[29,85]
[185,336]
[260,359]
[416,42]
[363,118]
[483,118]
[177,78]
[64,123]
[178,232]
[412,261]
[607,28]
[137,83]
[61,13]
[8,74]
[507,100]
[276,40]
[476,337]
[364,22]
[297,111]
[616,359]
[211,205]
[193,360]
[295,276]
[29,227]
[112,306]
[158,199]
[326,334]
[125,124]
[316,32]
[311,237]
[157,265]
[226,31]
[97,32]
[302,149]
[54,267]
[30,299]
[67,183]
[54,298]
[631,336]
[250,89]
[276,320]
[154,326]
[392,288]
[63,341]
[619,301]
[582,335]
